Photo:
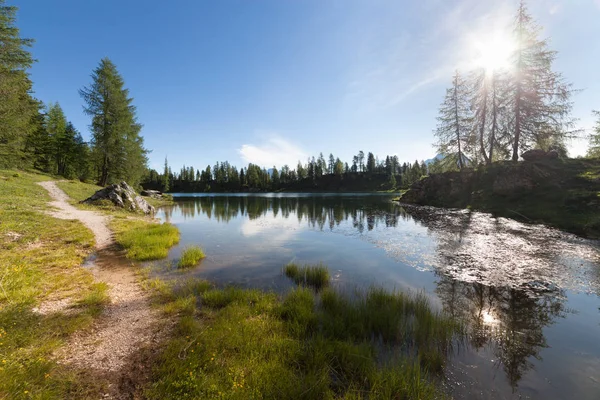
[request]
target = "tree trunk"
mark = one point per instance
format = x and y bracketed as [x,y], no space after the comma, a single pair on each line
[482,127]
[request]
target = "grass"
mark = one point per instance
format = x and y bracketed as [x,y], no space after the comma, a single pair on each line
[190,257]
[235,343]
[144,240]
[316,276]
[40,259]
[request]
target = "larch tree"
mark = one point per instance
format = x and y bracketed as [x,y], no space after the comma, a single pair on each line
[56,125]
[594,149]
[540,103]
[117,147]
[18,109]
[454,122]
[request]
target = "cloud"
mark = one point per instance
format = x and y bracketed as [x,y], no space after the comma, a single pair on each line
[274,150]
[388,75]
[556,8]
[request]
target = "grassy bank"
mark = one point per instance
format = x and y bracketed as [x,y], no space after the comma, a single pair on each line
[144,240]
[40,258]
[234,343]
[561,193]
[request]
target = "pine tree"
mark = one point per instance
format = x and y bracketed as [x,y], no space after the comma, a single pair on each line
[56,125]
[18,110]
[331,167]
[117,147]
[594,150]
[392,181]
[540,97]
[371,164]
[165,183]
[361,161]
[454,127]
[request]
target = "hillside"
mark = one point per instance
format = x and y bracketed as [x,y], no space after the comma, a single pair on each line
[561,193]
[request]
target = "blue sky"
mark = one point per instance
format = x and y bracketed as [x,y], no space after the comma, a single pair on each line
[271,82]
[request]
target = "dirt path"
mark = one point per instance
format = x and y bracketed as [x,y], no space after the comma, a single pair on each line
[127,325]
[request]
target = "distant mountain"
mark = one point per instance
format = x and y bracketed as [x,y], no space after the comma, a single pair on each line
[440,157]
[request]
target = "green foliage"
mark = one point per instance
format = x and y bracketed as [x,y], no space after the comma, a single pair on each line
[18,109]
[117,148]
[561,193]
[144,241]
[237,344]
[316,276]
[190,257]
[594,149]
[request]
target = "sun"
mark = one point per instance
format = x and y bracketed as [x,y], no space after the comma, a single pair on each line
[494,53]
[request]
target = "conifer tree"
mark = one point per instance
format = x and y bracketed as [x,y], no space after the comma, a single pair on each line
[18,110]
[594,150]
[540,98]
[454,122]
[56,125]
[166,184]
[371,164]
[117,147]
[331,166]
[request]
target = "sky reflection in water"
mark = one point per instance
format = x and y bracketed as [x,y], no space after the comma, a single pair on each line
[529,293]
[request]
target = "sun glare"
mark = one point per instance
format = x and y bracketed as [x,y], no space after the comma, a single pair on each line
[494,54]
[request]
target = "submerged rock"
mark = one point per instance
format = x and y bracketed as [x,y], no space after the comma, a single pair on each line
[121,195]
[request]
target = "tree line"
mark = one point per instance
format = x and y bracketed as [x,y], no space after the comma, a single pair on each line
[494,114]
[38,135]
[370,171]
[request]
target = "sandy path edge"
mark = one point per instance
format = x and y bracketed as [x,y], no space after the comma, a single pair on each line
[126,325]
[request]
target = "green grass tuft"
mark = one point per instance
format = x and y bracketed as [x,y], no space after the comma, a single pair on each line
[190,257]
[238,343]
[316,276]
[144,241]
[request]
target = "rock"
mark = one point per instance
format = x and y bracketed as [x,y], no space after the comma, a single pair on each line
[121,195]
[537,155]
[552,154]
[155,194]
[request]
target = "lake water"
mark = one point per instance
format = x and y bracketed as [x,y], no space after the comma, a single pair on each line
[530,294]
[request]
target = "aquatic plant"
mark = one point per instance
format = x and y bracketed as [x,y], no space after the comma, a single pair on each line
[316,276]
[144,241]
[190,257]
[246,343]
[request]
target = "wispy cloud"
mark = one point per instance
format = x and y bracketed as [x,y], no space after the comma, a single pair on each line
[388,76]
[273,150]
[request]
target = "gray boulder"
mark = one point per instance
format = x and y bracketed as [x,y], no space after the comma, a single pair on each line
[121,195]
[155,194]
[537,155]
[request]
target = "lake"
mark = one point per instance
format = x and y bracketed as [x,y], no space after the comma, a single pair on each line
[529,294]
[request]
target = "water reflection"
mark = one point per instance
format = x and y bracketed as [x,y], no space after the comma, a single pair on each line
[511,321]
[515,285]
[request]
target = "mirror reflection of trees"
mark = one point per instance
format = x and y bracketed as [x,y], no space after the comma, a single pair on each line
[512,321]
[319,212]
